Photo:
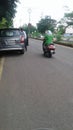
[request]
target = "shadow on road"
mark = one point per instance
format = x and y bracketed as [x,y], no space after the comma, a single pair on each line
[41,55]
[9,53]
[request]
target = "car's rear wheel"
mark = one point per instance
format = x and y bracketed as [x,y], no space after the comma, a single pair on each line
[22,51]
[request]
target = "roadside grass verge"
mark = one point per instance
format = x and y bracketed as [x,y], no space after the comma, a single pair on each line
[64,43]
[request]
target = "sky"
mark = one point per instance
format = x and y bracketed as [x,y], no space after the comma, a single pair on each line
[31,11]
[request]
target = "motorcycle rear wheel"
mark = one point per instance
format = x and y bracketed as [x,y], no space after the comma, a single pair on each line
[50,54]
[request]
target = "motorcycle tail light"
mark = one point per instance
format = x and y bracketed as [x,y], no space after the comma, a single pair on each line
[51,47]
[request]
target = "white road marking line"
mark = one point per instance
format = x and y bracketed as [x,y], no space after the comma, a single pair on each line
[1,66]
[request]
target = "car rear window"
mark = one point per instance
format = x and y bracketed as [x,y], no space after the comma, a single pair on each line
[9,33]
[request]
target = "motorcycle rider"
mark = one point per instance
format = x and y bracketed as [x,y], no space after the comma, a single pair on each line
[48,38]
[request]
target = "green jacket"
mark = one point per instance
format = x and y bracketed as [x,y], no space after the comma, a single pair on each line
[48,39]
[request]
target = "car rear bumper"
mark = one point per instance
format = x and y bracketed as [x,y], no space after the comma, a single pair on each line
[11,49]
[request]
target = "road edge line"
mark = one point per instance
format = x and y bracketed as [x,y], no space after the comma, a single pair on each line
[1,66]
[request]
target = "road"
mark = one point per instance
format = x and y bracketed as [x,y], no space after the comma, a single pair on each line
[35,91]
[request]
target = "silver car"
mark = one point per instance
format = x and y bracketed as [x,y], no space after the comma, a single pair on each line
[11,40]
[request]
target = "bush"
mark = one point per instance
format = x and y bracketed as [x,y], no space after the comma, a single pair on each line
[58,36]
[3,23]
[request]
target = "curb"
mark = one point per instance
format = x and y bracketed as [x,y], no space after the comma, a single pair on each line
[68,44]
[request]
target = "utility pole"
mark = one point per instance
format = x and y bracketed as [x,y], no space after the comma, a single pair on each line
[29,13]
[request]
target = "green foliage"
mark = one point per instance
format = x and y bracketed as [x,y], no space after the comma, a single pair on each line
[58,36]
[29,29]
[25,27]
[61,29]
[67,20]
[7,10]
[46,24]
[3,23]
[35,34]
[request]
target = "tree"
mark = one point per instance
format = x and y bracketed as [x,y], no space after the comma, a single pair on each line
[8,10]
[61,29]
[66,21]
[69,18]
[46,24]
[31,28]
[27,27]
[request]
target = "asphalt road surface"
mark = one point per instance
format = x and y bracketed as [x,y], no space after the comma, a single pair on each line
[36,92]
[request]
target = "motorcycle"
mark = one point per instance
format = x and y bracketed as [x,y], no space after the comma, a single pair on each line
[49,50]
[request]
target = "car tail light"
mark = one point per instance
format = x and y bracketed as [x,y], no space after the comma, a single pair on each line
[22,39]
